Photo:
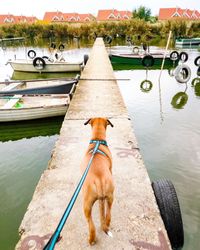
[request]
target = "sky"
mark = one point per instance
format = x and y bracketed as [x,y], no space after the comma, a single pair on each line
[39,7]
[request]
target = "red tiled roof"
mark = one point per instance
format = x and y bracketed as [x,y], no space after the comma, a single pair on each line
[16,19]
[170,13]
[67,17]
[104,15]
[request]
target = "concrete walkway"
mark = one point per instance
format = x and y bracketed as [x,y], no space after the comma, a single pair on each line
[136,222]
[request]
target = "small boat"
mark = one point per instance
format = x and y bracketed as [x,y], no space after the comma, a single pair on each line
[40,65]
[187,42]
[20,108]
[137,61]
[39,87]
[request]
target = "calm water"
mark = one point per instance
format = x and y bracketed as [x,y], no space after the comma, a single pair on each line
[168,139]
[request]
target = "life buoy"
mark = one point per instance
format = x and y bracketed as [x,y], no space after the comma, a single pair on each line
[146,85]
[174,55]
[179,100]
[39,63]
[148,61]
[61,47]
[182,73]
[31,53]
[108,39]
[136,50]
[197,61]
[183,56]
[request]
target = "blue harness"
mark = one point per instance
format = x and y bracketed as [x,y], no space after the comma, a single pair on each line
[101,142]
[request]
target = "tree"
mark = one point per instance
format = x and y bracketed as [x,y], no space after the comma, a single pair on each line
[142,13]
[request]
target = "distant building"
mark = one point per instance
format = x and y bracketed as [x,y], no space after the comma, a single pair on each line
[67,17]
[177,13]
[113,15]
[11,19]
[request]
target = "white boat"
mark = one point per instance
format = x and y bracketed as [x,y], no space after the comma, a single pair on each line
[40,65]
[188,41]
[19,108]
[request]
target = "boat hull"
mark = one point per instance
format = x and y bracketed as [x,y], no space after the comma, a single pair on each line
[188,42]
[27,66]
[129,61]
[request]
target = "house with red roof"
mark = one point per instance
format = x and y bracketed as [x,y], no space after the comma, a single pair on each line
[113,15]
[177,13]
[58,16]
[11,19]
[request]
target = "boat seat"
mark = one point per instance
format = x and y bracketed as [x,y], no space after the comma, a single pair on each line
[14,99]
[12,86]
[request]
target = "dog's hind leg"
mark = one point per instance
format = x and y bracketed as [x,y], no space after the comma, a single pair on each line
[87,206]
[109,202]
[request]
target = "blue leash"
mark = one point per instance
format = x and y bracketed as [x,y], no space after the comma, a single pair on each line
[54,238]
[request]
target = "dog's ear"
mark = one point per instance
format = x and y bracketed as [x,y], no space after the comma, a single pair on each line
[109,123]
[86,123]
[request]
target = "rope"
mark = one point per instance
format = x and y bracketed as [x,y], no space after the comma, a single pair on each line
[54,238]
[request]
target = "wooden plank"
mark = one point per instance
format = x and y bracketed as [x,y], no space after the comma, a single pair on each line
[12,86]
[12,102]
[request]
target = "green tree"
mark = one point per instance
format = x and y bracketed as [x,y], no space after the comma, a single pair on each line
[142,13]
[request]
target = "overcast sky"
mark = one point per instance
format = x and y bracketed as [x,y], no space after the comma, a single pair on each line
[39,7]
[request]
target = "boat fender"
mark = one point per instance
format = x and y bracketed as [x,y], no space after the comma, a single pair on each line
[171,72]
[146,85]
[31,53]
[197,89]
[108,39]
[39,63]
[53,45]
[183,56]
[61,47]
[85,59]
[179,100]
[136,50]
[182,73]
[174,55]
[195,81]
[170,212]
[148,61]
[144,46]
[197,61]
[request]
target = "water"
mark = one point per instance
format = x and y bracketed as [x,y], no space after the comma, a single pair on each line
[168,139]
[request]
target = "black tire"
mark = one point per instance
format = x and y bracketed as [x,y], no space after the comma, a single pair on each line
[108,39]
[146,85]
[179,100]
[53,45]
[198,71]
[174,55]
[182,73]
[148,61]
[45,57]
[168,205]
[39,63]
[183,56]
[61,47]
[144,46]
[197,89]
[197,61]
[31,53]
[85,59]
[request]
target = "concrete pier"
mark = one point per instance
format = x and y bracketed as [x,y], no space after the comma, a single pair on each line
[136,222]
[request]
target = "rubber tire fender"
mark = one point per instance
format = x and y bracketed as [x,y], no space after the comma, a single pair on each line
[148,61]
[146,85]
[195,81]
[183,56]
[174,55]
[108,39]
[197,61]
[179,100]
[53,45]
[45,57]
[85,59]
[168,205]
[198,71]
[180,71]
[61,47]
[40,61]
[31,53]
[136,50]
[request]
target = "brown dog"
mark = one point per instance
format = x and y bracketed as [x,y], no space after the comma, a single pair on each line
[98,184]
